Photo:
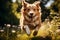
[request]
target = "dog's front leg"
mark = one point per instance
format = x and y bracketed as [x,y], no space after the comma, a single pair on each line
[27,29]
[36,31]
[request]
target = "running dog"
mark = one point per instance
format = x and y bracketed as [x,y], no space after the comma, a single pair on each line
[30,17]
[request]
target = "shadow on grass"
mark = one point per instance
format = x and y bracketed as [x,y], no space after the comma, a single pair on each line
[41,38]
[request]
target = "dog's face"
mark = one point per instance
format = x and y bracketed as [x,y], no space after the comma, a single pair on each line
[31,9]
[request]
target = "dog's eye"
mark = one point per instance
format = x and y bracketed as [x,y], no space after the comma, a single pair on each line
[34,9]
[37,9]
[28,9]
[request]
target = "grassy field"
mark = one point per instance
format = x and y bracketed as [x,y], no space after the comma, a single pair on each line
[47,32]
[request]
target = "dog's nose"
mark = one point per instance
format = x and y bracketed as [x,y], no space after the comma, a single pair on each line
[31,14]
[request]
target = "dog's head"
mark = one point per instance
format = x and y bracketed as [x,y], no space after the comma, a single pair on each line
[31,9]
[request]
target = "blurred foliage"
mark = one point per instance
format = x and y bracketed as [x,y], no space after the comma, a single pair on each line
[10,14]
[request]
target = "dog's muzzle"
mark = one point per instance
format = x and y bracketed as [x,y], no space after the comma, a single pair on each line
[31,14]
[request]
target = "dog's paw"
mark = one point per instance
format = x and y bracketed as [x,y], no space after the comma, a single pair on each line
[35,33]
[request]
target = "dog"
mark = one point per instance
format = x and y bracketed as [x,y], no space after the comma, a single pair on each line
[30,17]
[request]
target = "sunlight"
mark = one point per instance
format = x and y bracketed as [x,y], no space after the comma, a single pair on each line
[49,3]
[13,1]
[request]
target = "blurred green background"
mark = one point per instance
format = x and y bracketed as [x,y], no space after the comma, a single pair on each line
[10,16]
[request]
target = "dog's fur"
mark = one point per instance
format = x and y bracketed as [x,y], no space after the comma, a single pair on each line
[31,16]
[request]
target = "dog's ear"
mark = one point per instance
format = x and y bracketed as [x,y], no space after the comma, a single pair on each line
[37,3]
[24,4]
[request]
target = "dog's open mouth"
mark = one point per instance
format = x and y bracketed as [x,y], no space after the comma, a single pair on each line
[30,16]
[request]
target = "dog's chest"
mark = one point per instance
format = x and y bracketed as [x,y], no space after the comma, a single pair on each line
[31,22]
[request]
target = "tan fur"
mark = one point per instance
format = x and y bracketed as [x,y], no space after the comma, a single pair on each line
[33,22]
